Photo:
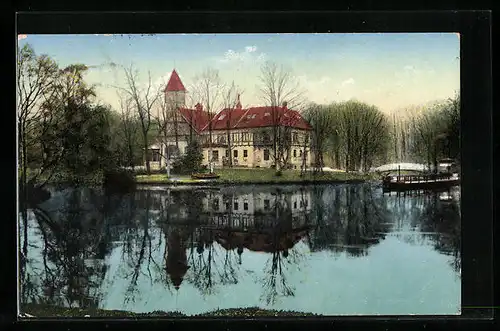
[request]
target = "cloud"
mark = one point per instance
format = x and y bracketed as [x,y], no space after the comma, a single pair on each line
[21,36]
[250,49]
[347,82]
[248,55]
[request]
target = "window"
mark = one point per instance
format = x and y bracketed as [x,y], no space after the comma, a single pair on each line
[300,153]
[265,137]
[245,153]
[221,139]
[235,137]
[227,152]
[245,205]
[154,155]
[294,153]
[295,204]
[267,204]
[235,205]
[215,204]
[228,206]
[266,155]
[215,156]
[235,153]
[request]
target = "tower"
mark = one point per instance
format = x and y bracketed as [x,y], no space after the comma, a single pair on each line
[175,92]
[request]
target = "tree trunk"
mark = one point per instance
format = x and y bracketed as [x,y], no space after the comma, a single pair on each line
[146,148]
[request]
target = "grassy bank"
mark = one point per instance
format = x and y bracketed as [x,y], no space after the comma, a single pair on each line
[39,310]
[260,175]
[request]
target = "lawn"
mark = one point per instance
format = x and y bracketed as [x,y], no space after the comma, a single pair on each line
[261,175]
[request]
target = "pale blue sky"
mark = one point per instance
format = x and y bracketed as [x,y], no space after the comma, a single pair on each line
[389,70]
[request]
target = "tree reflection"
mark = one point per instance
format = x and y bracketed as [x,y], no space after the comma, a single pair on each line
[348,218]
[74,243]
[193,237]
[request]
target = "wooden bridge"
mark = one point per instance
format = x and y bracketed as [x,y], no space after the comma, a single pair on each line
[394,167]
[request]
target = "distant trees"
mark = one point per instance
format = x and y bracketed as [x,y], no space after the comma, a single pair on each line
[354,133]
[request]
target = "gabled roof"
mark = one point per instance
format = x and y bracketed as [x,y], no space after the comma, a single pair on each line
[260,242]
[174,83]
[197,118]
[256,117]
[226,117]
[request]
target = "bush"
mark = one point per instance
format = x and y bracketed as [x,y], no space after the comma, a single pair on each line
[191,161]
[119,181]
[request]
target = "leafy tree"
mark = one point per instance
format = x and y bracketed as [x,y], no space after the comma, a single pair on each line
[191,161]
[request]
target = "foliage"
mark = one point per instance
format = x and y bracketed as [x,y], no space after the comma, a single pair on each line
[191,161]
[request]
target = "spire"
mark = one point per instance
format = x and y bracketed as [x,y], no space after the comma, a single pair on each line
[174,83]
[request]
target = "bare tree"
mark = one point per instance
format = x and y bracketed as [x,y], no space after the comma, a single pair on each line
[231,101]
[167,121]
[279,88]
[36,79]
[209,89]
[320,118]
[128,127]
[143,100]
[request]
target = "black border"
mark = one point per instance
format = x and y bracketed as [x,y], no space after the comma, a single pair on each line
[476,93]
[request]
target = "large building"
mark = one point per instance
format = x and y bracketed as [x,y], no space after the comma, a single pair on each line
[240,137]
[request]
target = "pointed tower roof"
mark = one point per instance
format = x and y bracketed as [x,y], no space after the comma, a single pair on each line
[174,83]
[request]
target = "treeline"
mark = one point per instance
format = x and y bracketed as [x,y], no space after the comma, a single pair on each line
[427,133]
[350,135]
[355,136]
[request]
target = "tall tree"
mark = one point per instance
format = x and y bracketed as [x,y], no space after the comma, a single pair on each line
[128,127]
[36,81]
[321,119]
[210,90]
[231,100]
[144,100]
[278,88]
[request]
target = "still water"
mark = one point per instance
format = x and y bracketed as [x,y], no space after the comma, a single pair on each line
[331,250]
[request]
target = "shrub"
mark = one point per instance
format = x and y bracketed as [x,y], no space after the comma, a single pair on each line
[119,181]
[191,161]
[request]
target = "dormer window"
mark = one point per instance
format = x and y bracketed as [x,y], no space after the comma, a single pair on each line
[222,117]
[267,114]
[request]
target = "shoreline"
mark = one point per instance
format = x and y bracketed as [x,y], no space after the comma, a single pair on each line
[231,183]
[48,311]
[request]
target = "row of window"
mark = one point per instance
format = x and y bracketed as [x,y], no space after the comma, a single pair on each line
[215,154]
[154,154]
[236,205]
[267,205]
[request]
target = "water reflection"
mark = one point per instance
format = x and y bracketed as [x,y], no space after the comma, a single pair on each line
[83,245]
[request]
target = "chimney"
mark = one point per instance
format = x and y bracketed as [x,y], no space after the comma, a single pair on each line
[198,107]
[285,104]
[238,105]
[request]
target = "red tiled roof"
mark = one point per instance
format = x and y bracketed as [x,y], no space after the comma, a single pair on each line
[197,118]
[227,116]
[174,83]
[256,117]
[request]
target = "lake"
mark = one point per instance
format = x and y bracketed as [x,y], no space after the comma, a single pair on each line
[327,249]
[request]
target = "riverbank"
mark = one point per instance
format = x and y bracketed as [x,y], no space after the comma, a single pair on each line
[42,310]
[257,176]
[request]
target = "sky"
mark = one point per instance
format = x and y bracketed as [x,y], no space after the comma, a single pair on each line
[389,70]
